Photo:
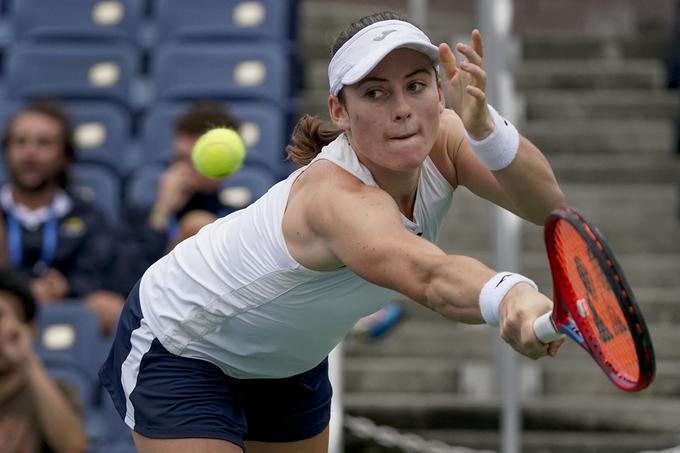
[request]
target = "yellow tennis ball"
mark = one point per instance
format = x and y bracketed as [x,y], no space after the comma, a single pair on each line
[218,153]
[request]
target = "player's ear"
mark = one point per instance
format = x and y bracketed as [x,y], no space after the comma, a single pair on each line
[338,113]
[440,94]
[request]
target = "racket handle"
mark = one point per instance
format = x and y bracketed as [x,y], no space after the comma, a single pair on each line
[544,328]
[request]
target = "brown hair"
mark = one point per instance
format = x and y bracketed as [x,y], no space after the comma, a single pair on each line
[309,135]
[15,284]
[203,116]
[53,110]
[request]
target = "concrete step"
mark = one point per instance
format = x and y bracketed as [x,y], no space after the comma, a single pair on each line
[574,46]
[533,441]
[648,269]
[562,376]
[601,137]
[449,341]
[642,169]
[590,75]
[628,413]
[568,106]
[622,212]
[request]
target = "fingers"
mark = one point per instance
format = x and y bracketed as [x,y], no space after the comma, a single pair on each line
[554,346]
[472,65]
[447,60]
[518,314]
[477,43]
[470,53]
[477,73]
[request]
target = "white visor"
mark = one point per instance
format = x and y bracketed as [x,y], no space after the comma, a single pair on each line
[363,51]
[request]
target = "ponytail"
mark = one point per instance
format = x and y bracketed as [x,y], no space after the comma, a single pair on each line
[308,138]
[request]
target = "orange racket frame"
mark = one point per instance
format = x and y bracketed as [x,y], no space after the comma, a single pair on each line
[593,303]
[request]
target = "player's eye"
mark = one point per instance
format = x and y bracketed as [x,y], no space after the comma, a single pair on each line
[416,86]
[374,93]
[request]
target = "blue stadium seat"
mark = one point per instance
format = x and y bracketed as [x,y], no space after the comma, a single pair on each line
[99,184]
[107,433]
[263,128]
[70,346]
[8,108]
[72,349]
[73,71]
[222,71]
[76,20]
[223,19]
[142,185]
[246,186]
[238,191]
[102,132]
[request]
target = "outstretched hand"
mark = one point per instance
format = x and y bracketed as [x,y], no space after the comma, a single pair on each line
[464,86]
[518,311]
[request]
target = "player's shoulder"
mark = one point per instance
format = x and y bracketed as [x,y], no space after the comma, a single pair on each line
[327,179]
[450,124]
[328,191]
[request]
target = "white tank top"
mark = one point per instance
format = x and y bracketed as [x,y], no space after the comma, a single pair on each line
[234,296]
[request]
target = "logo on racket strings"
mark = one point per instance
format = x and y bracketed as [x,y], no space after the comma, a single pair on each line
[603,331]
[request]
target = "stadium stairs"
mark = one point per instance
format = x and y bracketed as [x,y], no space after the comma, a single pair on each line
[600,111]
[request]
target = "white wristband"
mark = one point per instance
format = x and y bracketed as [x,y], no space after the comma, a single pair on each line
[494,291]
[498,149]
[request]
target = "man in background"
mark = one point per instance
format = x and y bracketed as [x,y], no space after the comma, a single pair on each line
[60,241]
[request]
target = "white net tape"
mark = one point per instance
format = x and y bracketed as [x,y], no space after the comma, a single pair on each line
[390,437]
[387,436]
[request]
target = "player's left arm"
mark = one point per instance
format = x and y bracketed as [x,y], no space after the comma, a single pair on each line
[526,184]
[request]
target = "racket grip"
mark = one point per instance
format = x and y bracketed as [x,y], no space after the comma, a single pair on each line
[544,328]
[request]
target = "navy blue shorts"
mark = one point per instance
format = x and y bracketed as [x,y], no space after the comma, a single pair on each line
[164,396]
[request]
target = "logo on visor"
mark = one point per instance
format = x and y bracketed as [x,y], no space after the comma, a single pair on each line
[383,35]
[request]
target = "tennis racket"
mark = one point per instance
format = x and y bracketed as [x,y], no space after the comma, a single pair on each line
[593,304]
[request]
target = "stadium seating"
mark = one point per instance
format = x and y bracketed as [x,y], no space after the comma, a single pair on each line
[246,186]
[7,109]
[239,190]
[228,71]
[223,19]
[262,128]
[70,346]
[101,133]
[76,20]
[141,186]
[73,71]
[100,185]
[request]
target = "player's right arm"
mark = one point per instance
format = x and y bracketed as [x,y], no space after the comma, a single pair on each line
[348,223]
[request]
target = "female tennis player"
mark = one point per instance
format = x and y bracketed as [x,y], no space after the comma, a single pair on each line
[222,345]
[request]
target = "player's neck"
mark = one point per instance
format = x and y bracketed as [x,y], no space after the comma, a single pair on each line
[403,188]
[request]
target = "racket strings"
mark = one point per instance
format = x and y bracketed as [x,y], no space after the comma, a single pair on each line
[597,309]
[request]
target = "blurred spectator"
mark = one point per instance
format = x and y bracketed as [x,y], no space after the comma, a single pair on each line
[185,201]
[60,241]
[36,413]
